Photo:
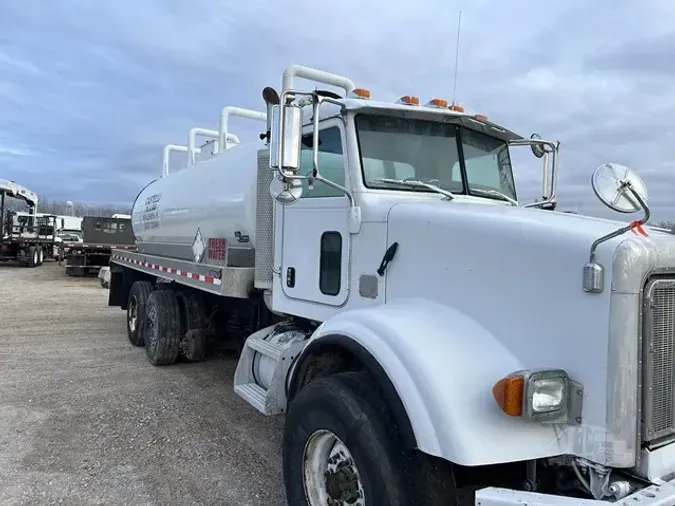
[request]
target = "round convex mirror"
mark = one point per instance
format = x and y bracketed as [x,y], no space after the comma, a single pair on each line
[285,192]
[537,149]
[608,184]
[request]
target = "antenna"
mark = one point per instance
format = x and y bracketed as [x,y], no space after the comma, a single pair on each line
[454,88]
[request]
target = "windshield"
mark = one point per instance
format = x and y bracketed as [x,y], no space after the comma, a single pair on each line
[449,156]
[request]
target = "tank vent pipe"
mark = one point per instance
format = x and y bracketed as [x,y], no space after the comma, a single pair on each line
[168,149]
[225,113]
[315,75]
[205,132]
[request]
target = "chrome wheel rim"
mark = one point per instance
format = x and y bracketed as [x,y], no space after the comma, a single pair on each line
[132,314]
[330,476]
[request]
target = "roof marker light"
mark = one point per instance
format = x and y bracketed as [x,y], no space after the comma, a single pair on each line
[481,117]
[409,100]
[360,93]
[438,103]
[456,108]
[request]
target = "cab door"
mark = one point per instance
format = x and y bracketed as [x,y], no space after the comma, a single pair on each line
[315,240]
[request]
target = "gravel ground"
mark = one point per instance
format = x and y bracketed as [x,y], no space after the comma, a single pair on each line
[86,420]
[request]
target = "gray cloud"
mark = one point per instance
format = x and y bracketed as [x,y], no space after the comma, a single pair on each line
[90,91]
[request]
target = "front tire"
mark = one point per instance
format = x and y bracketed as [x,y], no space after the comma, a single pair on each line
[334,413]
[162,327]
[344,417]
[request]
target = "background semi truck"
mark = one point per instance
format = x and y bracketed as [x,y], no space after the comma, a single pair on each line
[423,331]
[25,236]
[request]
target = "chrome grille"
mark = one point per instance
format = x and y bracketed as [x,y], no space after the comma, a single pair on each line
[659,359]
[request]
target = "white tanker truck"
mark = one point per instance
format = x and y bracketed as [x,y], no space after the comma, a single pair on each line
[423,331]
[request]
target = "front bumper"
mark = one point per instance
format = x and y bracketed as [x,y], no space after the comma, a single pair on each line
[654,495]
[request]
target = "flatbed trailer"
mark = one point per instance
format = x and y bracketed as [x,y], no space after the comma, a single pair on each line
[88,258]
[100,236]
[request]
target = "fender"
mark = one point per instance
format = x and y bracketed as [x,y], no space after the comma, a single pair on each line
[442,365]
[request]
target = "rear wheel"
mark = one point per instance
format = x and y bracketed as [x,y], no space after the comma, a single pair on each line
[138,298]
[193,326]
[162,327]
[41,256]
[32,254]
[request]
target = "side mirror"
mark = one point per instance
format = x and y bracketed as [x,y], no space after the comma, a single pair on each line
[619,188]
[285,143]
[286,191]
[537,149]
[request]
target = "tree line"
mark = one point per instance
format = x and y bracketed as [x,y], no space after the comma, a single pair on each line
[670,225]
[60,207]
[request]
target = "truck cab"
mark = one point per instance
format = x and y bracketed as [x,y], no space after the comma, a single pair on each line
[386,156]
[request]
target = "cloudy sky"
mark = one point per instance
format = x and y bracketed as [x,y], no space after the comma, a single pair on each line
[91,90]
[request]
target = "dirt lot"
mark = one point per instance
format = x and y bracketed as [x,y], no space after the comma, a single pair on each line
[85,419]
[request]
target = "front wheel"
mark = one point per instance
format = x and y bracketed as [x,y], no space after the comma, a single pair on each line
[341,447]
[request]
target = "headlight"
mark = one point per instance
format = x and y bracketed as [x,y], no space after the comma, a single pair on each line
[543,395]
[548,394]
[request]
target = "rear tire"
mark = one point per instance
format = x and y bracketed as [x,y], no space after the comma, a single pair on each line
[33,258]
[162,327]
[193,326]
[41,256]
[136,311]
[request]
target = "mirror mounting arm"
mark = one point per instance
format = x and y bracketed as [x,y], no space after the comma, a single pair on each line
[287,177]
[594,273]
[354,218]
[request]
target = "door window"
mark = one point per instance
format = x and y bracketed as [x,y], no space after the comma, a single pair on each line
[331,163]
[330,263]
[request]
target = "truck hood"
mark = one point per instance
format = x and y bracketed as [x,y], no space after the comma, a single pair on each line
[539,229]
[517,274]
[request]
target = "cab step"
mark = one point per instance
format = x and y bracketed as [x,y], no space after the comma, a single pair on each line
[269,353]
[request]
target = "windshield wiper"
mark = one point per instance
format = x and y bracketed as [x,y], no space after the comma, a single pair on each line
[418,184]
[493,193]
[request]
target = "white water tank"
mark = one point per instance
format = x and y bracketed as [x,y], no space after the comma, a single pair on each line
[215,197]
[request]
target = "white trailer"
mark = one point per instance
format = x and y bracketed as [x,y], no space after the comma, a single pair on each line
[69,224]
[422,331]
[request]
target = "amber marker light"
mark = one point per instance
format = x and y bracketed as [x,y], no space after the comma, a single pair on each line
[361,93]
[508,392]
[409,100]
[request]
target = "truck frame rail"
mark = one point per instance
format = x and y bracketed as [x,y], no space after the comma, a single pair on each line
[220,280]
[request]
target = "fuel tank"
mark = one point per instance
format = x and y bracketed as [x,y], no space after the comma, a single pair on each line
[195,213]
